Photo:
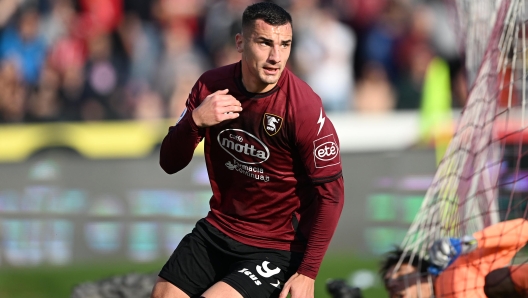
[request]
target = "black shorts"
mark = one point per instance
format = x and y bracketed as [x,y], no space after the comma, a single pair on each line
[206,256]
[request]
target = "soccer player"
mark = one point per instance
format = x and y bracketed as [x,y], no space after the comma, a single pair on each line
[472,266]
[274,167]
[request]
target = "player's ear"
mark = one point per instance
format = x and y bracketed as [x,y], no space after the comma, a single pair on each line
[239,41]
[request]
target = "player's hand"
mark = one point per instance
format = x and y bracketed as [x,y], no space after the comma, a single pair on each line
[445,251]
[215,108]
[299,286]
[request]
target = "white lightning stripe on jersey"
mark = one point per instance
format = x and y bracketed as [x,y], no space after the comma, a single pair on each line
[321,121]
[181,116]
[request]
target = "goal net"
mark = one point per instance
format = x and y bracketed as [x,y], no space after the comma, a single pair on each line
[483,177]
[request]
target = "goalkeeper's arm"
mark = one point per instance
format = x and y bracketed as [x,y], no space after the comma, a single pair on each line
[511,235]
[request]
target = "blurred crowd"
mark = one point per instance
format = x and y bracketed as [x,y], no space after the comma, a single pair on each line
[82,60]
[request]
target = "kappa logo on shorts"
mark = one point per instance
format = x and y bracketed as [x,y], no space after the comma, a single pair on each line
[272,123]
[264,271]
[326,152]
[251,275]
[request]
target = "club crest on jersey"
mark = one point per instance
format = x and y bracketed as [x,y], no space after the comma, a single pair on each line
[272,123]
[326,152]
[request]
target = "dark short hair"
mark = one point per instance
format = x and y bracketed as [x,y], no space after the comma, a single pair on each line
[269,12]
[392,258]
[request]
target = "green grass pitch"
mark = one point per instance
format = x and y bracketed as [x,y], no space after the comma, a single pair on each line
[57,282]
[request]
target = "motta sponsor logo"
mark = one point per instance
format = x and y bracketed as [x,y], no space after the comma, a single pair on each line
[243,146]
[326,152]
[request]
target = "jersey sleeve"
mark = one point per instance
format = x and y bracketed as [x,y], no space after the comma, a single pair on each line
[178,146]
[510,234]
[318,147]
[519,277]
[331,202]
[499,243]
[317,143]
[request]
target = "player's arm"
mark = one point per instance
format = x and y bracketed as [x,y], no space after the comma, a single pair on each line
[318,147]
[511,282]
[179,144]
[331,200]
[507,234]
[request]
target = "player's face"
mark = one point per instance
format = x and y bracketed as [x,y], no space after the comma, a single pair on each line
[265,50]
[407,282]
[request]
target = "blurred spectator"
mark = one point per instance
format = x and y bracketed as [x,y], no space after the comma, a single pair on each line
[7,9]
[78,60]
[12,93]
[148,106]
[58,22]
[104,73]
[98,17]
[381,38]
[22,45]
[413,53]
[374,92]
[441,34]
[71,88]
[460,87]
[44,102]
[222,24]
[323,58]
[410,83]
[142,45]
[226,55]
[167,12]
[141,8]
[181,60]
[364,13]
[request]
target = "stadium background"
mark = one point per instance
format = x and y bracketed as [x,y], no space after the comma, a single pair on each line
[88,89]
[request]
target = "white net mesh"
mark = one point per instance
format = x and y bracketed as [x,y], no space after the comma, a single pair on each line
[483,178]
[475,20]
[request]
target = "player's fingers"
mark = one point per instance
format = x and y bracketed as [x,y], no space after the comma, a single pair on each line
[285,291]
[229,116]
[221,92]
[228,100]
[230,109]
[218,95]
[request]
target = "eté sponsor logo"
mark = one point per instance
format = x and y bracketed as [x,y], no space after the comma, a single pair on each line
[326,152]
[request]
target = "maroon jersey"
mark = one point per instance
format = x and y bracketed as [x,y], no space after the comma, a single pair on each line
[269,166]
